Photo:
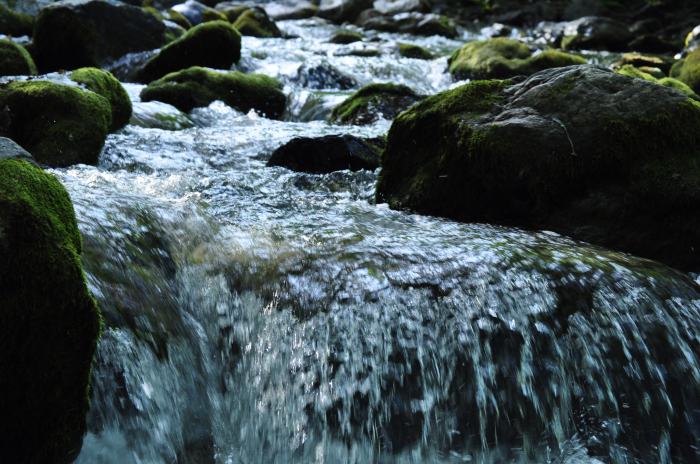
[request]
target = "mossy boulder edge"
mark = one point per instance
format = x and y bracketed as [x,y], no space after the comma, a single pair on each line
[580,150]
[15,60]
[49,322]
[373,101]
[106,85]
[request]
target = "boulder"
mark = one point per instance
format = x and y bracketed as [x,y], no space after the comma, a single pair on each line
[340,11]
[15,24]
[15,60]
[299,10]
[214,44]
[414,51]
[373,102]
[198,87]
[411,23]
[72,34]
[389,7]
[324,76]
[687,70]
[326,154]
[579,150]
[647,75]
[50,322]
[344,37]
[502,58]
[198,13]
[106,85]
[59,124]
[255,22]
[596,33]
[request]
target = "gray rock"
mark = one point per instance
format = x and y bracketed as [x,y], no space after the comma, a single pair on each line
[10,150]
[340,11]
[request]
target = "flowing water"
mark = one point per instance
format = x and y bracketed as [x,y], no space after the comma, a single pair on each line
[257,315]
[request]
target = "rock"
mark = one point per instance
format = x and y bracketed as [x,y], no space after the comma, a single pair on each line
[178,18]
[324,76]
[345,37]
[73,34]
[198,13]
[596,33]
[340,11]
[300,10]
[232,10]
[50,322]
[578,150]
[414,51]
[639,60]
[106,85]
[59,124]
[255,22]
[197,87]
[692,40]
[631,71]
[15,60]
[214,44]
[326,154]
[412,23]
[389,7]
[687,70]
[15,24]
[159,115]
[373,102]
[651,43]
[502,58]
[10,150]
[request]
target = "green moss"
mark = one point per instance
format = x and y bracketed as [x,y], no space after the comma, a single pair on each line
[414,51]
[178,18]
[688,70]
[214,44]
[49,323]
[255,22]
[15,60]
[502,58]
[15,24]
[197,87]
[232,13]
[105,84]
[346,37]
[210,14]
[631,71]
[58,124]
[365,105]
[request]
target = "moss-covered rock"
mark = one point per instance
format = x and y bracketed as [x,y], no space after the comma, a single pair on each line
[59,124]
[105,84]
[197,87]
[687,70]
[345,36]
[15,24]
[178,18]
[15,60]
[255,22]
[214,44]
[49,323]
[373,102]
[631,71]
[414,51]
[640,60]
[72,34]
[326,154]
[502,58]
[412,23]
[198,13]
[579,150]
[232,12]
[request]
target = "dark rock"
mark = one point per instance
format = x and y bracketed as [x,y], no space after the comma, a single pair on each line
[198,87]
[214,44]
[15,60]
[341,11]
[255,22]
[373,102]
[326,154]
[50,322]
[15,24]
[389,7]
[414,51]
[412,23]
[73,34]
[596,33]
[345,37]
[324,76]
[578,150]
[198,13]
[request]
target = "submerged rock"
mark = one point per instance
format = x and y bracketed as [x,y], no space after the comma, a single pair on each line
[255,22]
[197,87]
[579,150]
[501,58]
[59,124]
[326,154]
[215,44]
[345,37]
[72,34]
[15,60]
[106,85]
[373,102]
[50,323]
[14,23]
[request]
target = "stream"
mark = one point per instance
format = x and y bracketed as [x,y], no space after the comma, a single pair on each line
[259,315]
